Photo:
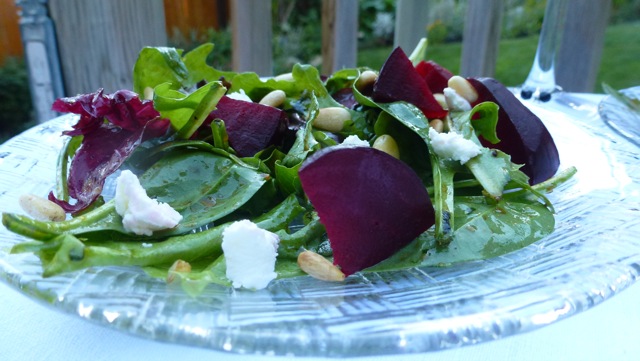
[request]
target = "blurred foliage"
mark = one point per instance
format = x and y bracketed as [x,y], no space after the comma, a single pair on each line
[376,22]
[624,11]
[15,99]
[220,57]
[297,33]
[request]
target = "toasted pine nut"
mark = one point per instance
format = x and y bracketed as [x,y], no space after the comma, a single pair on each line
[366,78]
[319,267]
[284,76]
[463,88]
[440,98]
[331,119]
[437,125]
[274,98]
[387,144]
[179,266]
[148,93]
[41,209]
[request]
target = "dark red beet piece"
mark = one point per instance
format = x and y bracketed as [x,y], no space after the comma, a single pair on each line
[345,97]
[436,76]
[251,126]
[370,203]
[522,134]
[400,81]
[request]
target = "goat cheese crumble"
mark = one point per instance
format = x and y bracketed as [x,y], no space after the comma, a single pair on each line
[455,101]
[240,95]
[250,253]
[354,141]
[453,146]
[140,214]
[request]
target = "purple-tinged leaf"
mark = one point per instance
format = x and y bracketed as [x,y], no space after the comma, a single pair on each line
[112,126]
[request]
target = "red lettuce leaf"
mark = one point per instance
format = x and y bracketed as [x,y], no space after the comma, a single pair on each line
[112,126]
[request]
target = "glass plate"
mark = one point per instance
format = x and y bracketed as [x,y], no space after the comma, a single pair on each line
[593,254]
[619,117]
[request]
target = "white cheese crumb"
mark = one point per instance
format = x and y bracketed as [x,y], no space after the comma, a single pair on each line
[250,253]
[354,141]
[240,95]
[455,102]
[453,146]
[141,214]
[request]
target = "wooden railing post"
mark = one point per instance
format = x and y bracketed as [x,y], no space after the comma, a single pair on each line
[412,17]
[252,36]
[339,34]
[580,51]
[41,53]
[99,41]
[481,37]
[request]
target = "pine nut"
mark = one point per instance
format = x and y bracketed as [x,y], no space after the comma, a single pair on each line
[387,144]
[366,79]
[440,98]
[319,267]
[284,76]
[41,209]
[274,98]
[179,266]
[331,119]
[437,125]
[148,93]
[463,88]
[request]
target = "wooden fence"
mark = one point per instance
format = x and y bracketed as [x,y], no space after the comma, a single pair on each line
[10,43]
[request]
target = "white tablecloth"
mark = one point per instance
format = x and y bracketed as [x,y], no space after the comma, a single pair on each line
[32,331]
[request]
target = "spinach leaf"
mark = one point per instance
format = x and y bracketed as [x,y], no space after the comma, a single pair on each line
[485,230]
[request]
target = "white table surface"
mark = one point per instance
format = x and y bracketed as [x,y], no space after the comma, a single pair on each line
[30,330]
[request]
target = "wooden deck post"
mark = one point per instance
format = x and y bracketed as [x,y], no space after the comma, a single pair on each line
[412,17]
[99,41]
[580,51]
[339,34]
[481,37]
[252,36]
[41,54]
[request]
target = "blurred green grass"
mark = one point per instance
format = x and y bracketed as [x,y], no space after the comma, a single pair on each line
[619,67]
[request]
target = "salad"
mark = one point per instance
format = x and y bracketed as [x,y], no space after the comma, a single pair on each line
[231,179]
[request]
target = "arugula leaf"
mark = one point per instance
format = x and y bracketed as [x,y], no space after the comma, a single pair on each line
[187,111]
[158,65]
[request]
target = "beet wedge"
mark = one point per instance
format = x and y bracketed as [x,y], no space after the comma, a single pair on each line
[522,134]
[436,76]
[251,126]
[370,203]
[400,81]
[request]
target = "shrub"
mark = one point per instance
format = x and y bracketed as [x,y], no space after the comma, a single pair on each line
[15,99]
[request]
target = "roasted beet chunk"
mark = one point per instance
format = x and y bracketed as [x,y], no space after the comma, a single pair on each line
[251,126]
[522,134]
[370,203]
[400,81]
[436,76]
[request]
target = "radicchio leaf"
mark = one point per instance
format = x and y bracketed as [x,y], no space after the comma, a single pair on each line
[112,126]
